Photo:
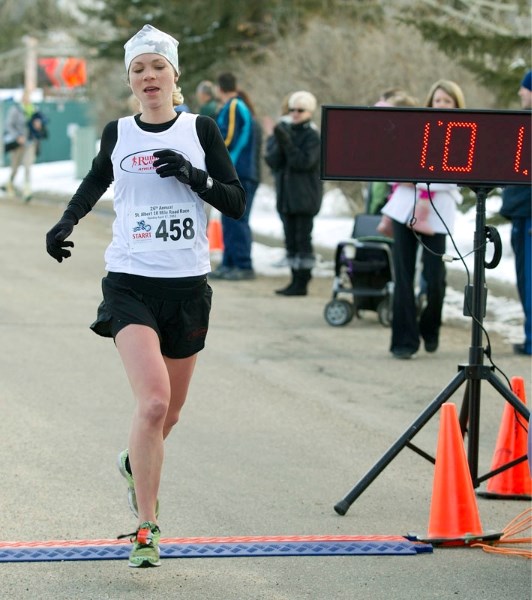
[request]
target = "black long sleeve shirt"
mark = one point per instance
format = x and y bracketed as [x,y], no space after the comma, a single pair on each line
[227,194]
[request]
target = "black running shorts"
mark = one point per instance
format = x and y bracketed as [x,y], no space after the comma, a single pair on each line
[177,309]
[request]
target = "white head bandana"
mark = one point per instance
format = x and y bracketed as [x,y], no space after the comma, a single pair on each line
[150,40]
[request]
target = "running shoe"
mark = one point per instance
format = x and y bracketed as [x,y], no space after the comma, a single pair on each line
[145,551]
[123,465]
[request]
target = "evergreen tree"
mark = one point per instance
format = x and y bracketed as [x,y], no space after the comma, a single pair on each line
[491,39]
[211,32]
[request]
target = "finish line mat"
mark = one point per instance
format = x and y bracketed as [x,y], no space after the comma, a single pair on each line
[211,547]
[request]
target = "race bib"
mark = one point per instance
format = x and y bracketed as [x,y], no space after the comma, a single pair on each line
[162,227]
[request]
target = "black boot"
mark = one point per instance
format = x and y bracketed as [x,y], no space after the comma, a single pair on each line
[284,291]
[299,287]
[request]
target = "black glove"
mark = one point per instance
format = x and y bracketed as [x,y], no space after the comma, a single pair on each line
[55,239]
[281,133]
[172,164]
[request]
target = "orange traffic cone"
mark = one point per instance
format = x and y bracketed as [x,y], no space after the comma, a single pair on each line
[215,235]
[454,517]
[514,483]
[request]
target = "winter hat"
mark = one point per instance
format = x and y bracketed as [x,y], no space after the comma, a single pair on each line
[150,40]
[304,100]
[527,81]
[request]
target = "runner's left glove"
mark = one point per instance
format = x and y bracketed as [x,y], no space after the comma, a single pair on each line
[173,164]
[55,239]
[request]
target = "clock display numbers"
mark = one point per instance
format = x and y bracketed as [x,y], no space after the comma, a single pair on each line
[426,145]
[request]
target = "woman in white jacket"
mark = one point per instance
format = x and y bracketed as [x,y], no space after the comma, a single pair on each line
[405,203]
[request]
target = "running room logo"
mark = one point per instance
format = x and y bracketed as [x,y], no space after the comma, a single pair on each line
[141,162]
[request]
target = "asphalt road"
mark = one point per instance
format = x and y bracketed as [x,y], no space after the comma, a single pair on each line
[285,415]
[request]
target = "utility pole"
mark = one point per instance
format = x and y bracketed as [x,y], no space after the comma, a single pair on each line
[30,64]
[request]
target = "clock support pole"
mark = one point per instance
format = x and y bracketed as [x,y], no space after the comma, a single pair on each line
[472,374]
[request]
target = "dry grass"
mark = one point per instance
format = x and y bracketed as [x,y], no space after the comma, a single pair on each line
[351,64]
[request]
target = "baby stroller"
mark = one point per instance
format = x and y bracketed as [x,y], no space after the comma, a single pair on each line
[363,275]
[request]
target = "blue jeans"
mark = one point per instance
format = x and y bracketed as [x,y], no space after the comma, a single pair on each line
[237,233]
[522,247]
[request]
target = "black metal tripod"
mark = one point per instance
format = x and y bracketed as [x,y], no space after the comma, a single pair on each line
[472,373]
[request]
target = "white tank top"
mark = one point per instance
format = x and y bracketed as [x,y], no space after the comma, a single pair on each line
[160,229]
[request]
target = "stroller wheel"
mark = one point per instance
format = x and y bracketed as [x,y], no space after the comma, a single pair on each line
[384,312]
[338,312]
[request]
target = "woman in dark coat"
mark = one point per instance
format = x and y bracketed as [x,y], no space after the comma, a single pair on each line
[293,154]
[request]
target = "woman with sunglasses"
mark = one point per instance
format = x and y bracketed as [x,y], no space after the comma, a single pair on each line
[293,154]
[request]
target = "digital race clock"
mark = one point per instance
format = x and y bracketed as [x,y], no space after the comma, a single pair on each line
[424,145]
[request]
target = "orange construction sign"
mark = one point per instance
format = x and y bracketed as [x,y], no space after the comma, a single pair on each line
[64,72]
